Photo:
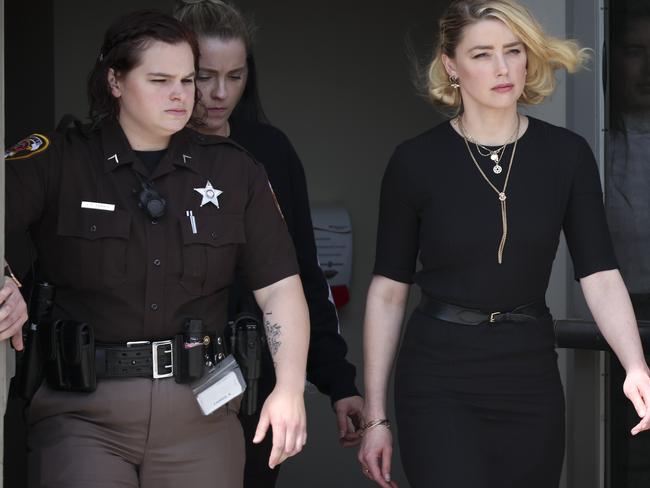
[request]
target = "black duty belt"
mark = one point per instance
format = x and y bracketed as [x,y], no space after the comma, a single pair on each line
[145,359]
[471,316]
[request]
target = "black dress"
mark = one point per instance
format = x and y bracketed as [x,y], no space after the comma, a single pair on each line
[482,406]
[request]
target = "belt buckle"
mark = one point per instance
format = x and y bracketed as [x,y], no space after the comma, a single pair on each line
[493,316]
[154,358]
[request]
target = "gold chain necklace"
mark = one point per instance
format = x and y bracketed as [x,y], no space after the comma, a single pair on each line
[494,155]
[501,194]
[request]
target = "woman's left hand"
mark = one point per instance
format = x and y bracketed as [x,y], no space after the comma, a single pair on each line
[349,416]
[637,388]
[284,412]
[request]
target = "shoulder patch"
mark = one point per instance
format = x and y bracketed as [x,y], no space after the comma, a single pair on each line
[28,147]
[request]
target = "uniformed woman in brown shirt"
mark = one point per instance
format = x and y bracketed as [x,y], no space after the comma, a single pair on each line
[140,224]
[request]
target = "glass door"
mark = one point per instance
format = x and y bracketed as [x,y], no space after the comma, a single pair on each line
[627,202]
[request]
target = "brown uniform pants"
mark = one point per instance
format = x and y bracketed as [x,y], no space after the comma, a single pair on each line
[132,433]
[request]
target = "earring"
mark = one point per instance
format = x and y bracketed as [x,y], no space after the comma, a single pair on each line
[454,82]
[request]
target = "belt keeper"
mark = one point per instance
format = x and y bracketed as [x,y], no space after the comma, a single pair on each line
[374,423]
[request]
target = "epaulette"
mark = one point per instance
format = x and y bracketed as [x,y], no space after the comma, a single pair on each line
[28,147]
[72,122]
[212,140]
[208,139]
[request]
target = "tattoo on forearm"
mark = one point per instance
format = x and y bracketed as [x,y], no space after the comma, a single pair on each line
[273,332]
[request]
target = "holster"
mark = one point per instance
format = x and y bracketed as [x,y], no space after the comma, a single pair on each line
[68,352]
[246,344]
[40,308]
[31,373]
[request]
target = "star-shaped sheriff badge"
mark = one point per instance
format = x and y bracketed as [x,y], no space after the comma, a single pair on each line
[210,194]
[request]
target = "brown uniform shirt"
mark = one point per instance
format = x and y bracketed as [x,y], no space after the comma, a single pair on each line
[131,277]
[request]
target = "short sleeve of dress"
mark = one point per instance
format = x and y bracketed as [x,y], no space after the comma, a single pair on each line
[398,227]
[268,254]
[585,225]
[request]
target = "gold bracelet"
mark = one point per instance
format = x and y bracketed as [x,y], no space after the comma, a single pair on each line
[374,423]
[11,275]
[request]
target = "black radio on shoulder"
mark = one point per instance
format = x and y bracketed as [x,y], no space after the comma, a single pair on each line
[151,201]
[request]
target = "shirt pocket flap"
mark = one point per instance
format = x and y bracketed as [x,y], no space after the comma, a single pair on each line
[95,224]
[214,230]
[91,248]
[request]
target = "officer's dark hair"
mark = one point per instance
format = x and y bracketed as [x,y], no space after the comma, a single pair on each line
[217,18]
[124,42]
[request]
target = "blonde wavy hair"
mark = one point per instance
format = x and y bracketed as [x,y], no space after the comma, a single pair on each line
[545,53]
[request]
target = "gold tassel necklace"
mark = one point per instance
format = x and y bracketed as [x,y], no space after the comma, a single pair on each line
[501,194]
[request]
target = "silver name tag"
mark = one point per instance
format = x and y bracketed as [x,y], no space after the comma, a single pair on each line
[220,384]
[109,207]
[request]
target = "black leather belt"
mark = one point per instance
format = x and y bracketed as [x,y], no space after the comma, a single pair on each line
[144,359]
[471,316]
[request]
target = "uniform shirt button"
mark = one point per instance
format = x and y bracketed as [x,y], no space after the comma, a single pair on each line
[156,262]
[93,228]
[154,221]
[154,306]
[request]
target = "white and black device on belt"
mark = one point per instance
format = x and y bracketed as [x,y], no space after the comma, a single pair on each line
[220,384]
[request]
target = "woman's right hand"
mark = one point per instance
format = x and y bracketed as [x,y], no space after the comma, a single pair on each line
[13,314]
[284,412]
[375,455]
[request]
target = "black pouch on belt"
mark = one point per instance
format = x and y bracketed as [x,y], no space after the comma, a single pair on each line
[190,352]
[68,349]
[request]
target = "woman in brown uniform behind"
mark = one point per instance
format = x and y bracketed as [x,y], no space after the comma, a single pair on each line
[483,198]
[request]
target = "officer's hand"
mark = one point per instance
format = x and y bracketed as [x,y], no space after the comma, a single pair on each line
[350,419]
[375,456]
[284,412]
[13,314]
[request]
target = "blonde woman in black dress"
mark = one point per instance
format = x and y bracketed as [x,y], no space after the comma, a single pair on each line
[482,200]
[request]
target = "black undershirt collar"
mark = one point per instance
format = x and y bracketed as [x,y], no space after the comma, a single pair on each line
[150,158]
